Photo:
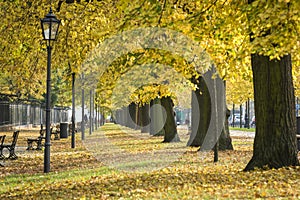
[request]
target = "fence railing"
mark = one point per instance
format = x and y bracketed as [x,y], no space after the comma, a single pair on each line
[19,114]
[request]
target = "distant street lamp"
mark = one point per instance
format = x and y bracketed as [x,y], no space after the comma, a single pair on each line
[73,111]
[50,25]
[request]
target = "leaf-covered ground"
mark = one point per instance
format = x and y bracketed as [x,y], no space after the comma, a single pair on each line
[119,163]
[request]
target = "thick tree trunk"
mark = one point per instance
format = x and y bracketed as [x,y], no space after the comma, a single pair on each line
[123,116]
[131,121]
[118,116]
[225,142]
[170,125]
[157,118]
[201,113]
[145,118]
[137,118]
[275,138]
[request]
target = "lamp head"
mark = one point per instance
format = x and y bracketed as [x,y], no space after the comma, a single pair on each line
[50,25]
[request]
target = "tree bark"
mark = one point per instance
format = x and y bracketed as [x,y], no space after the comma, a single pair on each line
[117,116]
[137,118]
[201,113]
[170,125]
[157,118]
[131,121]
[275,138]
[123,116]
[145,118]
[201,116]
[225,142]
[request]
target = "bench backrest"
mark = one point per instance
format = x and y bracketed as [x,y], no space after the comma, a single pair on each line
[15,138]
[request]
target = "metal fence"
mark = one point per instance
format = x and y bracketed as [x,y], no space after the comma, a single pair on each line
[19,114]
[4,116]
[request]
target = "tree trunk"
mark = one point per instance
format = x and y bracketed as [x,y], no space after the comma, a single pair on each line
[275,138]
[117,116]
[157,118]
[145,118]
[201,113]
[124,115]
[225,142]
[170,125]
[131,121]
[137,118]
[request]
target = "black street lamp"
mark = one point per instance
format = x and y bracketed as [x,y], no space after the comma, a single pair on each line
[50,25]
[73,111]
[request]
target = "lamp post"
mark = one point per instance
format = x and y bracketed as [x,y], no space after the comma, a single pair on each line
[50,25]
[82,109]
[73,111]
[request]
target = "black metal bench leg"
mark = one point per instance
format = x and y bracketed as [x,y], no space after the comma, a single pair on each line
[12,154]
[39,145]
[2,157]
[29,147]
[56,136]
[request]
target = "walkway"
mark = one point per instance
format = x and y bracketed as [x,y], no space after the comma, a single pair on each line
[236,133]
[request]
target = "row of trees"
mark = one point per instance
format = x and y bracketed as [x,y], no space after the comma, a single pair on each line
[242,38]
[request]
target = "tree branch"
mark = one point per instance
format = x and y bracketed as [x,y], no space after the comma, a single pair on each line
[162,10]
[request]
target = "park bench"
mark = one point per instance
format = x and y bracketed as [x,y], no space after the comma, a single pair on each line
[38,141]
[10,147]
[71,128]
[56,132]
[2,137]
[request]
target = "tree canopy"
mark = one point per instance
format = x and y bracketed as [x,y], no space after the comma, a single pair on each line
[222,28]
